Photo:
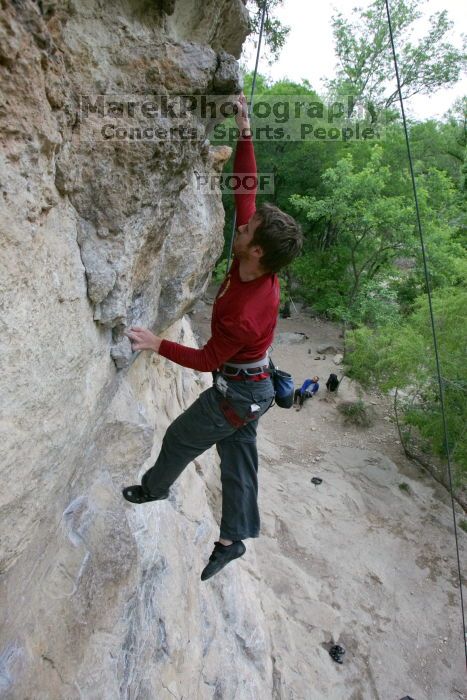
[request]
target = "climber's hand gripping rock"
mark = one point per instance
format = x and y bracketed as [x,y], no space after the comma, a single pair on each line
[143,339]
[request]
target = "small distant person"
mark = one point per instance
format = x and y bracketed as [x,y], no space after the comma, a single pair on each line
[285,311]
[306,391]
[333,383]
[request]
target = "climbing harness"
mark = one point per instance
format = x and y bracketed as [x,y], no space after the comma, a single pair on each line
[433,329]
[233,370]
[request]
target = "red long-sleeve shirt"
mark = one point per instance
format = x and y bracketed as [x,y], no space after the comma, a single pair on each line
[244,315]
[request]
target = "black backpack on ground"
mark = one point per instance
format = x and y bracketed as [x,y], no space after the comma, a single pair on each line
[333,383]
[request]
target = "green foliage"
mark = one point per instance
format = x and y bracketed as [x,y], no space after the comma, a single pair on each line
[463,525]
[375,304]
[401,355]
[404,487]
[355,412]
[442,222]
[356,229]
[275,33]
[284,281]
[363,227]
[366,67]
[220,270]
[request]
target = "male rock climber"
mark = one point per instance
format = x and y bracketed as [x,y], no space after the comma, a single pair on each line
[244,317]
[306,391]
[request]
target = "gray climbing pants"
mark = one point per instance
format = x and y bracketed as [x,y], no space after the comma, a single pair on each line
[204,424]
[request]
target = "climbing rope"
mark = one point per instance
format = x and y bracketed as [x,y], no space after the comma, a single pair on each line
[433,329]
[250,107]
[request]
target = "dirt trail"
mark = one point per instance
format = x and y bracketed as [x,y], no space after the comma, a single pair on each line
[358,560]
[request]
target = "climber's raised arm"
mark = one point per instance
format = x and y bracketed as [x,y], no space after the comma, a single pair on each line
[244,164]
[229,335]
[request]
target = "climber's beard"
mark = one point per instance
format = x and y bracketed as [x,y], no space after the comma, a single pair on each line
[243,239]
[239,248]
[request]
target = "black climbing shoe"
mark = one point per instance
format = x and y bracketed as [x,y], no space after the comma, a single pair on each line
[136,494]
[221,556]
[336,652]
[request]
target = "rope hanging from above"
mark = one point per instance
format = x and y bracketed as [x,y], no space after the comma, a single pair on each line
[433,329]
[425,266]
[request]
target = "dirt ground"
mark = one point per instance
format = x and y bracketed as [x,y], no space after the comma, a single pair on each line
[366,559]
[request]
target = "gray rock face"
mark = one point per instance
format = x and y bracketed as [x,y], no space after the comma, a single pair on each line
[289,337]
[100,598]
[327,349]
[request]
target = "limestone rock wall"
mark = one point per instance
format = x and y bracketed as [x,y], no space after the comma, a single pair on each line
[99,598]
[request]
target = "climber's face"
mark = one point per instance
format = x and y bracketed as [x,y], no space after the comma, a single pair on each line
[242,247]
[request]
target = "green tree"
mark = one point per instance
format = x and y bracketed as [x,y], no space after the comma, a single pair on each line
[442,219]
[457,126]
[366,68]
[400,355]
[275,33]
[357,229]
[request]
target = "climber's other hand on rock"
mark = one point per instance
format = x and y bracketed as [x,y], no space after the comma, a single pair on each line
[143,339]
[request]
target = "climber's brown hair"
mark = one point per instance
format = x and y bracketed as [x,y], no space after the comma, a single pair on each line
[279,235]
